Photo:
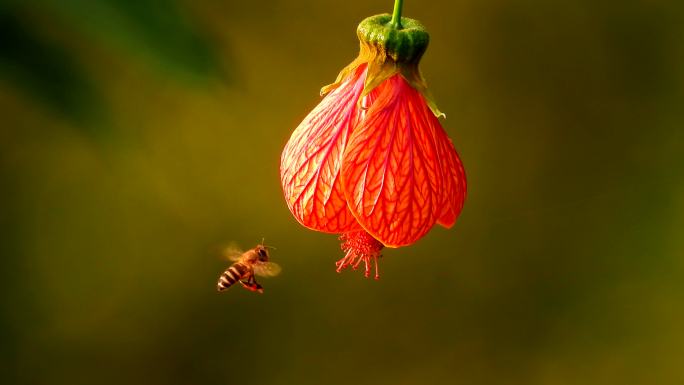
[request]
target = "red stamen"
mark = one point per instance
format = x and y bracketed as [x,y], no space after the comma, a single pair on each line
[360,246]
[377,273]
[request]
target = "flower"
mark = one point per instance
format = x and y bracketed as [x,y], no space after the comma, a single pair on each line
[371,161]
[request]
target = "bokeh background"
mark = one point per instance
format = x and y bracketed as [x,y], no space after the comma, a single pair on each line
[138,136]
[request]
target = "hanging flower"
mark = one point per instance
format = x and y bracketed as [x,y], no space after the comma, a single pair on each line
[372,162]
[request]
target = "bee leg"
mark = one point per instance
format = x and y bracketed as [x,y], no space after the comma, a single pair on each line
[252,285]
[248,285]
[258,287]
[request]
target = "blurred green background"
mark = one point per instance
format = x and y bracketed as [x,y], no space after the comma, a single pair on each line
[139,136]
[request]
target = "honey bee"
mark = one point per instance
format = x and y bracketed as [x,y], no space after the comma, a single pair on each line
[247,264]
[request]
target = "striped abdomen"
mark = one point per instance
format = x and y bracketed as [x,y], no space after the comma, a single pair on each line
[232,274]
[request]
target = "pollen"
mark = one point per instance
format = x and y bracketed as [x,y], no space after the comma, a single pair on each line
[359,246]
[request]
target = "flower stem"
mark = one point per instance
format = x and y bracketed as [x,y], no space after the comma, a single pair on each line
[396,15]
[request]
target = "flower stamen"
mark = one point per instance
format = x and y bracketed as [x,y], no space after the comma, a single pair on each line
[377,268]
[344,262]
[359,246]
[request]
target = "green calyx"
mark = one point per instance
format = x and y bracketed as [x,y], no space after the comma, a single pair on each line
[388,51]
[403,46]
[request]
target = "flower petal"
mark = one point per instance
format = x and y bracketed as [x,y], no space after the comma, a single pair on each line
[391,174]
[454,182]
[311,161]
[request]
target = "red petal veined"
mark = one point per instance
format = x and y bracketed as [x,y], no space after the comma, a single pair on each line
[392,176]
[312,159]
[454,183]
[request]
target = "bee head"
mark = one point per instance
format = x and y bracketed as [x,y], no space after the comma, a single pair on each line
[262,253]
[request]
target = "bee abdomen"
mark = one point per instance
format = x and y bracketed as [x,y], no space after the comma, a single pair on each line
[229,277]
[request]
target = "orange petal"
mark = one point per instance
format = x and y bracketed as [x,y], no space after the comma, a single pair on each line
[392,176]
[454,182]
[311,161]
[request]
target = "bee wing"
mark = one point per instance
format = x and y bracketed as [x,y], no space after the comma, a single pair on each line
[266,269]
[232,252]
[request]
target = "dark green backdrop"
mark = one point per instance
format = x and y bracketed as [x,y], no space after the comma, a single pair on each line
[137,137]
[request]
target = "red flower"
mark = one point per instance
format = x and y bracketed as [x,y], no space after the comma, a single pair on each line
[372,161]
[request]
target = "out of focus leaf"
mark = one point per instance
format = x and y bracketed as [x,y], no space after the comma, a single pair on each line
[151,29]
[155,31]
[45,71]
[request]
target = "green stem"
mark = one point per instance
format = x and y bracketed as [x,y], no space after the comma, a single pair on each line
[396,15]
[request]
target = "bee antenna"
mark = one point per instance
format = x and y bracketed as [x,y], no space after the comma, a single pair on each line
[266,246]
